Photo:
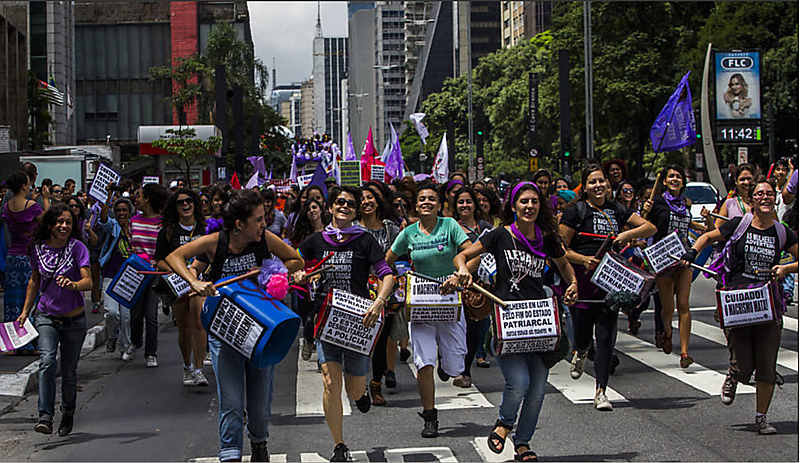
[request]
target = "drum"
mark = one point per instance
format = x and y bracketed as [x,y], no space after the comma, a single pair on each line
[128,284]
[526,326]
[749,305]
[658,255]
[615,273]
[341,322]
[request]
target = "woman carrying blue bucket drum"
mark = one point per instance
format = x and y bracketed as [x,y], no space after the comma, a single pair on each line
[241,245]
[356,254]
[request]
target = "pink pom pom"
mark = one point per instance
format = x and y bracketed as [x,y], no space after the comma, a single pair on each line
[278,285]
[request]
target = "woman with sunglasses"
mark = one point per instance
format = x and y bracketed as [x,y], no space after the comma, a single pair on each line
[432,243]
[182,223]
[354,253]
[597,215]
[626,195]
[114,251]
[60,274]
[205,204]
[75,206]
[754,347]
[521,249]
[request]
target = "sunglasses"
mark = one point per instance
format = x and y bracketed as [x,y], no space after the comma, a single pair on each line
[56,192]
[627,190]
[351,203]
[181,202]
[74,206]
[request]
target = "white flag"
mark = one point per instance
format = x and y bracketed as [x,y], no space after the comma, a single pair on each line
[441,168]
[416,118]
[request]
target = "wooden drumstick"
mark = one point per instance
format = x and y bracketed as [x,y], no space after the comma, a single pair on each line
[717,216]
[698,267]
[233,280]
[656,187]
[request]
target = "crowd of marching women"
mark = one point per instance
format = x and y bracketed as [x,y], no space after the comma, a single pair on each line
[520,275]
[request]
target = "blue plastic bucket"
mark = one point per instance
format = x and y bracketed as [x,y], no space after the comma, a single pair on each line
[247,320]
[128,284]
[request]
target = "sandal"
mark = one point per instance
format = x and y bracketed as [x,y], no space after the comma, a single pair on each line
[686,360]
[528,455]
[501,441]
[483,363]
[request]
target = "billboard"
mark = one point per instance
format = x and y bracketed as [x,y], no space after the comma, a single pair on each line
[738,85]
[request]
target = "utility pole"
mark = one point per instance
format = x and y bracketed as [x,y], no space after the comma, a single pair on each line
[587,60]
[471,170]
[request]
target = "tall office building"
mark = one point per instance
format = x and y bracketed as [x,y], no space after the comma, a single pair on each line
[418,15]
[307,108]
[390,61]
[14,69]
[484,34]
[361,73]
[523,20]
[330,67]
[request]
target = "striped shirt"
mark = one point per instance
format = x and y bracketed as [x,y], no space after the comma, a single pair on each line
[144,234]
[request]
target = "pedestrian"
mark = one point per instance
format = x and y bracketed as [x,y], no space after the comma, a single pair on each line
[69,187]
[94,255]
[243,243]
[753,347]
[60,273]
[275,219]
[56,193]
[735,204]
[448,192]
[308,192]
[543,179]
[182,223]
[595,214]
[521,248]
[20,217]
[150,200]
[432,243]
[358,251]
[114,251]
[488,206]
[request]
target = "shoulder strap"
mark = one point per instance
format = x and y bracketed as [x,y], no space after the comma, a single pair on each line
[747,219]
[582,209]
[263,249]
[781,229]
[219,255]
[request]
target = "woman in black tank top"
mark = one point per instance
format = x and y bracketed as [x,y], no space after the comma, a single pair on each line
[245,242]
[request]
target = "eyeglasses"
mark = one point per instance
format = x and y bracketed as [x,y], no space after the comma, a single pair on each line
[56,192]
[181,202]
[346,202]
[74,206]
[761,194]
[627,190]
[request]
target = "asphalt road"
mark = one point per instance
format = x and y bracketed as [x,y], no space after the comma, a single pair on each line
[661,413]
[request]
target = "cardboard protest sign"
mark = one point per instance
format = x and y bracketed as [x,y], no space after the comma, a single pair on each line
[342,323]
[658,255]
[617,274]
[14,335]
[102,178]
[304,180]
[378,173]
[428,305]
[745,306]
[527,326]
[350,173]
[150,179]
[488,268]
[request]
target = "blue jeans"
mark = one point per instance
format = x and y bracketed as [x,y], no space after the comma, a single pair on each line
[235,374]
[55,332]
[483,328]
[526,381]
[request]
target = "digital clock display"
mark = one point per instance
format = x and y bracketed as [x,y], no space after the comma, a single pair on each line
[738,134]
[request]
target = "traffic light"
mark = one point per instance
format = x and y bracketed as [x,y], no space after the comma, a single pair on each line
[480,132]
[566,154]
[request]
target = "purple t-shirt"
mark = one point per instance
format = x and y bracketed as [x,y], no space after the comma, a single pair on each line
[791,187]
[53,262]
[21,226]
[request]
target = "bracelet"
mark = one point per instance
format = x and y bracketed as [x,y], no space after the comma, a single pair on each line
[385,300]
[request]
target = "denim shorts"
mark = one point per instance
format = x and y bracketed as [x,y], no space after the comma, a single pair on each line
[353,363]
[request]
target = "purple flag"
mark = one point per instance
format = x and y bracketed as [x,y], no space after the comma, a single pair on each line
[350,154]
[394,158]
[258,165]
[674,127]
[319,179]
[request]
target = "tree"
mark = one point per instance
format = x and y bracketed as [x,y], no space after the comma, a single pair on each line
[39,118]
[187,148]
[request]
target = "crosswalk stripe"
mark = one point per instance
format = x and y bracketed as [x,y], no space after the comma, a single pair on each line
[442,454]
[578,391]
[309,389]
[790,323]
[274,457]
[786,358]
[693,309]
[449,397]
[697,376]
[358,455]
[482,447]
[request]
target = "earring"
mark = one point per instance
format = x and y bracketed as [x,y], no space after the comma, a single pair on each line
[515,217]
[236,231]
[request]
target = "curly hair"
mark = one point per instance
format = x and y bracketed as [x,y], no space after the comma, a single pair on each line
[171,216]
[49,219]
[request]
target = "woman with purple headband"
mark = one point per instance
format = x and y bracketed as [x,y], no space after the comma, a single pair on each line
[521,249]
[356,254]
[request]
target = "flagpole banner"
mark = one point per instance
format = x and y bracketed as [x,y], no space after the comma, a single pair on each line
[350,173]
[738,85]
[674,127]
[441,169]
[416,119]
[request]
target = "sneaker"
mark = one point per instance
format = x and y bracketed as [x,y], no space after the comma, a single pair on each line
[44,427]
[728,389]
[442,375]
[128,354]
[763,427]
[340,453]
[111,345]
[259,451]
[391,380]
[462,381]
[601,402]
[483,363]
[188,377]
[200,379]
[306,354]
[96,307]
[65,427]
[364,403]
[207,359]
[151,361]
[577,364]
[431,418]
[405,354]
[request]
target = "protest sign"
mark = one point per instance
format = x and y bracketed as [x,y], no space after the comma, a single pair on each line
[128,284]
[428,305]
[527,326]
[177,285]
[658,255]
[14,335]
[350,173]
[378,173]
[236,328]
[488,268]
[615,273]
[102,178]
[343,323]
[304,180]
[745,306]
[150,179]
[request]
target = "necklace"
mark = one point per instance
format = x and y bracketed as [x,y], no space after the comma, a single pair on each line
[522,272]
[475,230]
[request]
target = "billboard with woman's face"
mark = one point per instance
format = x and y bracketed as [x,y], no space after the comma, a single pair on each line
[738,84]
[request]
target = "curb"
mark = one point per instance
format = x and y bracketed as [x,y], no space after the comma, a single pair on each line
[15,386]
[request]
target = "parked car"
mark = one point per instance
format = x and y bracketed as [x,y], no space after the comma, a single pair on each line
[701,194]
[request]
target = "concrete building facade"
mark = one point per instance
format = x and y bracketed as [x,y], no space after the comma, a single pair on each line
[361,73]
[307,113]
[330,67]
[523,20]
[14,69]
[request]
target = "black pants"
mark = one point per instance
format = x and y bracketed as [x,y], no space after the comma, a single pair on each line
[306,309]
[603,322]
[472,345]
[657,313]
[379,364]
[144,315]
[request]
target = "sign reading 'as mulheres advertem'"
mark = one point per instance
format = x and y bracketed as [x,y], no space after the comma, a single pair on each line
[658,255]
[343,323]
[746,306]
[427,304]
[527,326]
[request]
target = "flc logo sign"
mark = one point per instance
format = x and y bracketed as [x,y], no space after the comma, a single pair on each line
[737,62]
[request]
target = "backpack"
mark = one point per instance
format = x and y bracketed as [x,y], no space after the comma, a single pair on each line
[214,273]
[723,264]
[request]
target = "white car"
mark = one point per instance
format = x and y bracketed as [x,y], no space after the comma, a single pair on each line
[702,195]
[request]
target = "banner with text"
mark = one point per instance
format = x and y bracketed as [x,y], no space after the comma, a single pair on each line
[426,303]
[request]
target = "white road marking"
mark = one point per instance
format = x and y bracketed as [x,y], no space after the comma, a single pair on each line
[693,309]
[449,397]
[358,455]
[309,389]
[578,391]
[274,457]
[786,358]
[442,454]
[482,447]
[790,323]
[696,376]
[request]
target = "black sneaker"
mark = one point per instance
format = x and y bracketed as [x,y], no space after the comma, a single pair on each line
[442,375]
[363,404]
[65,427]
[431,428]
[258,451]
[340,453]
[728,392]
[405,354]
[44,427]
[391,380]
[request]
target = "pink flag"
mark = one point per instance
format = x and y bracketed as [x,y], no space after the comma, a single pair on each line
[368,157]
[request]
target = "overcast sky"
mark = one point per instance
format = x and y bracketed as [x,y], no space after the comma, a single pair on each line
[285,30]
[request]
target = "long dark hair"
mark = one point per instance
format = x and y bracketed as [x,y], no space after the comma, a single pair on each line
[306,189]
[588,170]
[664,173]
[546,219]
[157,195]
[49,219]
[471,193]
[171,217]
[384,198]
[303,228]
[494,204]
[240,206]
[82,208]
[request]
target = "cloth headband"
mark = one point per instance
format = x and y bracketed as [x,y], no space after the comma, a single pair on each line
[453,183]
[519,186]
